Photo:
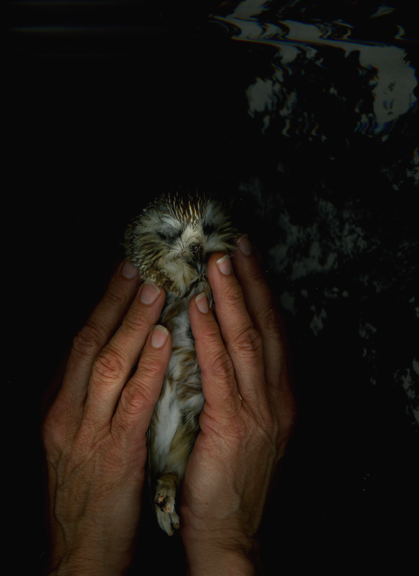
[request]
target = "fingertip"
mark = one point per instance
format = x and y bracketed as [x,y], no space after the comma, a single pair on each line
[202,303]
[224,265]
[128,270]
[197,317]
[149,292]
[212,262]
[159,336]
[200,315]
[247,258]
[244,245]
[219,266]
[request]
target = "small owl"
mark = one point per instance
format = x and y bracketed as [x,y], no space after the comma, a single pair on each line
[170,243]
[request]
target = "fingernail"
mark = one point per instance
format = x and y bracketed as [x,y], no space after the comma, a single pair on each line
[244,245]
[224,265]
[201,302]
[128,270]
[159,336]
[149,292]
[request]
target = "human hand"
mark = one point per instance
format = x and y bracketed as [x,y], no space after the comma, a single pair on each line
[95,431]
[246,421]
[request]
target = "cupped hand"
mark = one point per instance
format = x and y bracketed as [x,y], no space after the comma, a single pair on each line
[94,434]
[247,418]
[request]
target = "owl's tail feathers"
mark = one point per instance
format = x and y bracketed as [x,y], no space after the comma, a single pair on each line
[164,501]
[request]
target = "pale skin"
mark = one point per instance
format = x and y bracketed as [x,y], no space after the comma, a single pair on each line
[95,431]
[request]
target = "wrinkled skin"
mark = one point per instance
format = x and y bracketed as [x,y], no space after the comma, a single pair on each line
[95,430]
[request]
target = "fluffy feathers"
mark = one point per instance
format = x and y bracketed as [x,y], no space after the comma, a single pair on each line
[170,243]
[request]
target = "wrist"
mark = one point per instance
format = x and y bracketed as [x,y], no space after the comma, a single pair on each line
[85,564]
[83,551]
[228,555]
[77,567]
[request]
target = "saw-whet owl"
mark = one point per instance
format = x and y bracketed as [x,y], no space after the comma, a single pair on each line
[170,243]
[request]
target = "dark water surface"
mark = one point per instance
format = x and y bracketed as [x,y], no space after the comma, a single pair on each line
[306,116]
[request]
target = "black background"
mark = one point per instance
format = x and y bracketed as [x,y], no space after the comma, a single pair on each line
[107,104]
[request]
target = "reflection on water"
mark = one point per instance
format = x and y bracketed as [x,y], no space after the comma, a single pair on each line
[374,80]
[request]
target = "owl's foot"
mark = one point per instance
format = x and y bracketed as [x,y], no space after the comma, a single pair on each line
[164,501]
[166,493]
[168,522]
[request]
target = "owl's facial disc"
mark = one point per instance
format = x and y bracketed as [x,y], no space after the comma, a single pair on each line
[195,257]
[183,257]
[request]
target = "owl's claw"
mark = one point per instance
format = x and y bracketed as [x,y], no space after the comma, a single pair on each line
[165,503]
[166,493]
[168,522]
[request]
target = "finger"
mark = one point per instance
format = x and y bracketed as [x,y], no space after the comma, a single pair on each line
[242,340]
[262,308]
[138,398]
[115,362]
[96,333]
[217,372]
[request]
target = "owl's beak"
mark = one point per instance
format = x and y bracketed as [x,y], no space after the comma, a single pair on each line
[197,258]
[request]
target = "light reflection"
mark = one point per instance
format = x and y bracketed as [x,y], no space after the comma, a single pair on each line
[382,68]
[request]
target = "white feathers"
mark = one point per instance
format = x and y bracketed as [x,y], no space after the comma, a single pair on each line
[167,415]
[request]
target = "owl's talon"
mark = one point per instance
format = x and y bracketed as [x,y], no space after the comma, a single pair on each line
[169,522]
[166,493]
[166,502]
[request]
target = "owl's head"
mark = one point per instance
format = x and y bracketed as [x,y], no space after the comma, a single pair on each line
[171,241]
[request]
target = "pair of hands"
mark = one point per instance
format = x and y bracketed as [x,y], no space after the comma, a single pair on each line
[95,431]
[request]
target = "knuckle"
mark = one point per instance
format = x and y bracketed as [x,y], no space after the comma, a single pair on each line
[109,365]
[52,432]
[209,336]
[134,400]
[116,293]
[233,294]
[220,367]
[135,323]
[90,339]
[248,341]
[150,370]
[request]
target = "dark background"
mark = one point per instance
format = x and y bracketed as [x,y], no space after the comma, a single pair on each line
[106,105]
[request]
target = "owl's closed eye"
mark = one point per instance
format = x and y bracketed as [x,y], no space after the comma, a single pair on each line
[171,241]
